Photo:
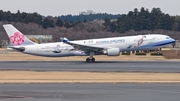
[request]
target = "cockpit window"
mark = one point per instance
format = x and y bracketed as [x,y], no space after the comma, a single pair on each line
[167,37]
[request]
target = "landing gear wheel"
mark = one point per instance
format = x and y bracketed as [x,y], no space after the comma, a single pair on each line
[90,60]
[87,60]
[93,59]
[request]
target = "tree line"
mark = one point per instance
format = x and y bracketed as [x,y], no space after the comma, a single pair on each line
[143,20]
[134,20]
[90,17]
[49,21]
[20,17]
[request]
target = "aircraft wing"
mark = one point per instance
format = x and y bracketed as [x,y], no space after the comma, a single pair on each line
[82,47]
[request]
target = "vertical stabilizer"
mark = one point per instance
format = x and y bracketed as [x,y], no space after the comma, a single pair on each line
[16,37]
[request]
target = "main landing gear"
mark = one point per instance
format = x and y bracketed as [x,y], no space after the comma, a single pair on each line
[91,58]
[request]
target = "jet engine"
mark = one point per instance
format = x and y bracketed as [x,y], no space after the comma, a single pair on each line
[112,52]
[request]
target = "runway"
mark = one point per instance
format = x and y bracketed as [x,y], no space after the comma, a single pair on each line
[99,66]
[90,92]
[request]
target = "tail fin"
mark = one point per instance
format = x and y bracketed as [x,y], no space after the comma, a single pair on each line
[16,37]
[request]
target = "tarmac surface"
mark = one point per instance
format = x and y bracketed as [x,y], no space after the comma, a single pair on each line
[90,92]
[99,66]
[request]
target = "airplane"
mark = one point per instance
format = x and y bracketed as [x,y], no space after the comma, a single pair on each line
[90,47]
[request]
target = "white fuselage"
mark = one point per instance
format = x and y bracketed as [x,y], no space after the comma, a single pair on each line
[129,43]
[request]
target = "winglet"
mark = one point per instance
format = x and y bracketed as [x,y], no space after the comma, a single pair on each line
[16,37]
[65,40]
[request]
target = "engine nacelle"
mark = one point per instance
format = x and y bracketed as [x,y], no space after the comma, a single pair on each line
[112,52]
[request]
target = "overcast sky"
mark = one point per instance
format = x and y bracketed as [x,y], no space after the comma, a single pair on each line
[64,7]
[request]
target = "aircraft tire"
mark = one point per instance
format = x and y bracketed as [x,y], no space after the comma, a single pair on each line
[87,60]
[90,60]
[93,59]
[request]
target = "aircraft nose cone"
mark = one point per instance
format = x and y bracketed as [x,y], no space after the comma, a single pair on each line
[173,40]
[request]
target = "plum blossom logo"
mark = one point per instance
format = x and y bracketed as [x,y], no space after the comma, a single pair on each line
[17,39]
